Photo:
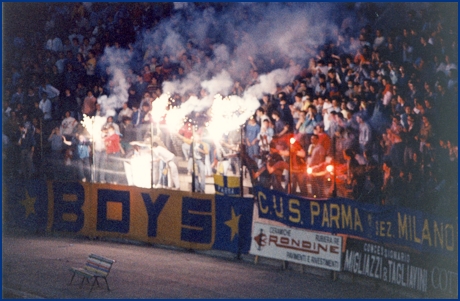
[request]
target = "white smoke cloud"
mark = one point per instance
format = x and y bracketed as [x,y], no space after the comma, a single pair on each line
[116,61]
[221,83]
[225,39]
[267,82]
[189,84]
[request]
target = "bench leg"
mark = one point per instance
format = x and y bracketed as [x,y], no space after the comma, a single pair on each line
[82,280]
[107,284]
[72,278]
[94,282]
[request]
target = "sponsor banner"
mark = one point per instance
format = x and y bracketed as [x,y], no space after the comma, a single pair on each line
[314,249]
[225,185]
[383,224]
[189,220]
[434,276]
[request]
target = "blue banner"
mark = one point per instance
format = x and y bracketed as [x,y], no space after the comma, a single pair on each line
[233,224]
[384,224]
[25,204]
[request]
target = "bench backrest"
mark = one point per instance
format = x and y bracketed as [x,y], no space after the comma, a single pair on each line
[98,265]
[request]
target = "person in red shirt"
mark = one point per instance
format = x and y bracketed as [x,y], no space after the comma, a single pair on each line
[114,151]
[323,138]
[186,133]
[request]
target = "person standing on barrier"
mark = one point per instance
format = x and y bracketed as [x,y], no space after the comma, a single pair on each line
[199,149]
[317,155]
[276,166]
[185,133]
[26,144]
[83,153]
[114,152]
[169,158]
[100,157]
[297,155]
[57,158]
[355,173]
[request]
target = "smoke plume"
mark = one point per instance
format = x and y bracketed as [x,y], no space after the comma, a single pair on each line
[224,41]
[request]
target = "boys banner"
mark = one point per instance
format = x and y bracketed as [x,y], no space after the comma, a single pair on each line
[188,220]
[435,276]
[384,224]
[320,250]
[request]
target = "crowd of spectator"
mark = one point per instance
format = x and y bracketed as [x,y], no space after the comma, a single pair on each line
[379,106]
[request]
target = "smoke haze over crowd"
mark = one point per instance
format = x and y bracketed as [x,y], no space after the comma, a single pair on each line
[278,36]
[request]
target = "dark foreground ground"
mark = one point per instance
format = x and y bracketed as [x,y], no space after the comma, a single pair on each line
[36,266]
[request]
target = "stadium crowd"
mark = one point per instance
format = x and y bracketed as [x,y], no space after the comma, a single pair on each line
[379,106]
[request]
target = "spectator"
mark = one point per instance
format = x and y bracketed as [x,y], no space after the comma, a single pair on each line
[30,99]
[46,107]
[68,125]
[265,135]
[169,158]
[365,134]
[18,97]
[355,174]
[56,157]
[26,144]
[83,150]
[198,151]
[69,103]
[114,152]
[252,142]
[261,116]
[100,156]
[125,112]
[128,133]
[133,98]
[115,126]
[392,187]
[71,78]
[373,178]
[317,156]
[298,166]
[276,166]
[90,67]
[89,104]
[136,117]
[141,85]
[51,92]
[281,128]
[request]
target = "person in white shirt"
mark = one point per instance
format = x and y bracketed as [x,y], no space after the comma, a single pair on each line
[169,158]
[379,39]
[68,125]
[46,106]
[60,63]
[110,122]
[57,44]
[265,135]
[50,91]
[125,112]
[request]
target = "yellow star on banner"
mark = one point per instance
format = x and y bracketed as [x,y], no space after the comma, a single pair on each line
[29,204]
[233,223]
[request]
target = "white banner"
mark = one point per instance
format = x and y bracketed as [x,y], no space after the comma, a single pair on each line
[299,246]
